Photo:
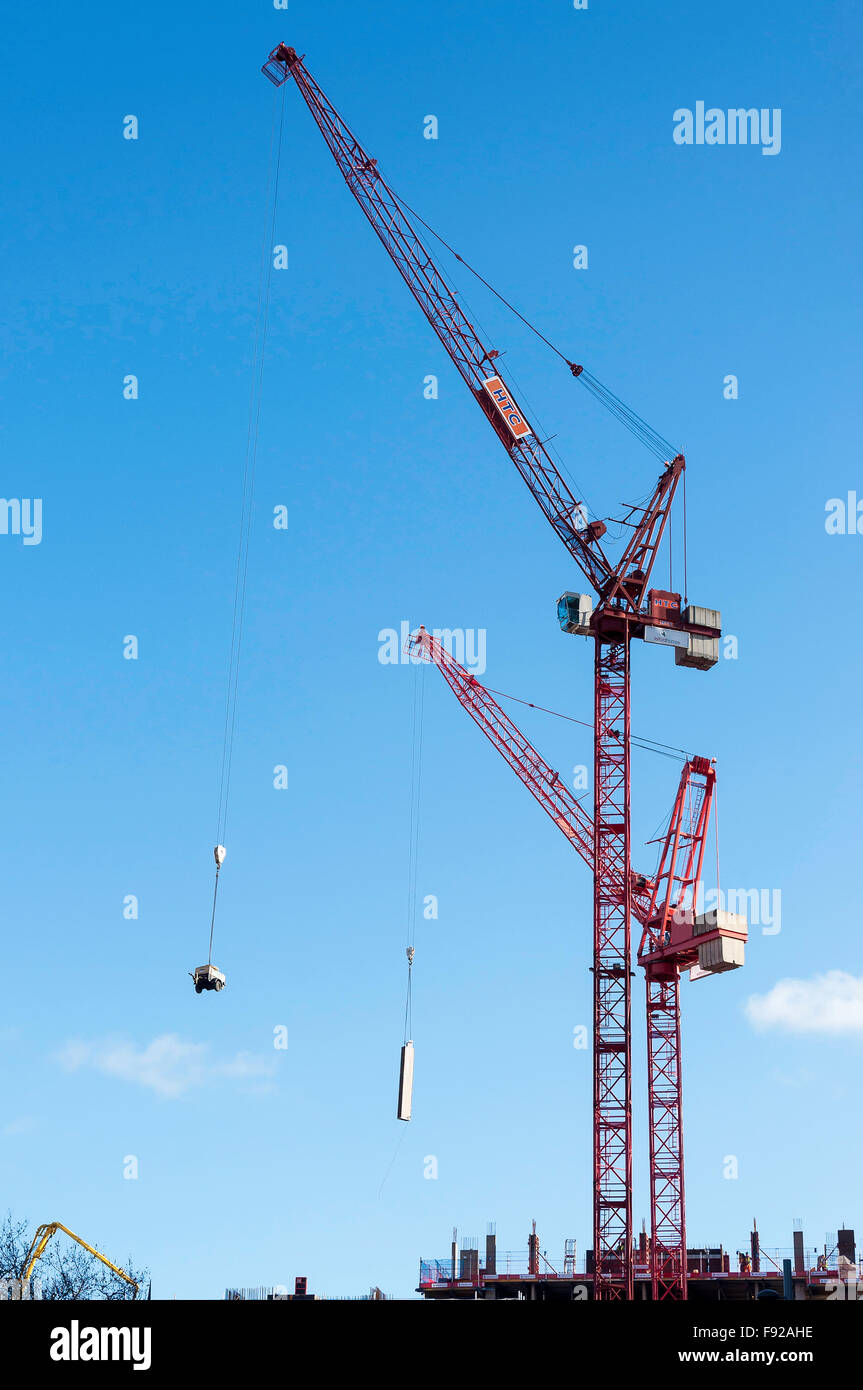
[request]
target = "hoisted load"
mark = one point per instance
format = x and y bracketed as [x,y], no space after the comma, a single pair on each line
[702,650]
[208,976]
[406,1066]
[406,1081]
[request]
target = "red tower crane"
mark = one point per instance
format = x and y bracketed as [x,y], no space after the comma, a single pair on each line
[625,609]
[673,937]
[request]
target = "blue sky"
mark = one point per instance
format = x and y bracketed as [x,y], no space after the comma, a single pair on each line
[119,257]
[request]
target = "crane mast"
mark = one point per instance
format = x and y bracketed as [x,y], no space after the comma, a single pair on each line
[619,616]
[676,883]
[675,938]
[612,998]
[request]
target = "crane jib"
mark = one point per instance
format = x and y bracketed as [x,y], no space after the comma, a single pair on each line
[507,407]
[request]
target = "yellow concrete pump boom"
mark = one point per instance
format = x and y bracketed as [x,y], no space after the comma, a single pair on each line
[44,1234]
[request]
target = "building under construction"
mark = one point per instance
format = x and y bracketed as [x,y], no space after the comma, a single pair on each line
[714,1274]
[275,1293]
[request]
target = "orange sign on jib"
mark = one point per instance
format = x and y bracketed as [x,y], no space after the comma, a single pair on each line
[516,422]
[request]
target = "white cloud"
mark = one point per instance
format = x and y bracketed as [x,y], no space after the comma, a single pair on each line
[167,1065]
[831,1004]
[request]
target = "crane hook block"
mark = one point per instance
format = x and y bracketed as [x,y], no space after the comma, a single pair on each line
[410,955]
[219,855]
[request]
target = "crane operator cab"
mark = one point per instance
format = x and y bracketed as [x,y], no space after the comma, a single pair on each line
[207,977]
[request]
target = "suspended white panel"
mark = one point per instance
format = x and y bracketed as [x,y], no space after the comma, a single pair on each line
[406,1081]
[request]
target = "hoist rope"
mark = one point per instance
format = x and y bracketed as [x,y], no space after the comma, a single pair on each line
[399,1142]
[716,828]
[685,556]
[658,837]
[249,466]
[658,445]
[213,917]
[647,745]
[417,721]
[408,1005]
[643,432]
[248,485]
